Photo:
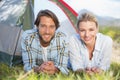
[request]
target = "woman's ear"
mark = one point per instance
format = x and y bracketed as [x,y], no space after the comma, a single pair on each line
[97,29]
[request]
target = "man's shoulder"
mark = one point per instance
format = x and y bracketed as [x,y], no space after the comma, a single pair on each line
[60,34]
[28,33]
[61,37]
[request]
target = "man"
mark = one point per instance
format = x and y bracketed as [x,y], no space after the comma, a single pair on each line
[44,49]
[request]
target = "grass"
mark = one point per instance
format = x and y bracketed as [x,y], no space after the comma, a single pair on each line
[16,72]
[114,32]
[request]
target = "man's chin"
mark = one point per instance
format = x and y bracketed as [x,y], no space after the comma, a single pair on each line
[46,41]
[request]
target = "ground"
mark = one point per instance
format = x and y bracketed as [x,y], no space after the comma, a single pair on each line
[116,53]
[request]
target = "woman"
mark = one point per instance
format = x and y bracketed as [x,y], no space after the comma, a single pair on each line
[89,50]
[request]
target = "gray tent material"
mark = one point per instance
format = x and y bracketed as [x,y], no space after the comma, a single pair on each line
[15,16]
[10,50]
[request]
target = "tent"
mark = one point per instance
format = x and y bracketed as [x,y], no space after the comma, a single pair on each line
[66,24]
[15,17]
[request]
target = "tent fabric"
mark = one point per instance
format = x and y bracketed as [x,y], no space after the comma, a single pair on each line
[14,16]
[28,17]
[10,10]
[10,37]
[66,25]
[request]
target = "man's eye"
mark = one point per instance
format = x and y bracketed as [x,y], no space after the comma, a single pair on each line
[52,26]
[42,25]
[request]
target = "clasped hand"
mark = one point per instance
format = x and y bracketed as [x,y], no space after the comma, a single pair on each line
[93,70]
[47,67]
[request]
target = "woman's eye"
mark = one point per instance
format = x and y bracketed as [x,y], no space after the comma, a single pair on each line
[91,29]
[82,30]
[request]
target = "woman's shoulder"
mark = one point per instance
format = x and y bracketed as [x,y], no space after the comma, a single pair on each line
[75,36]
[104,38]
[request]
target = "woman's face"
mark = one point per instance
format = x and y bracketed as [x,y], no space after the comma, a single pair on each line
[88,31]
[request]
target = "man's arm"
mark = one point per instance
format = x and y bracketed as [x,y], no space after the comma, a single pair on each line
[27,57]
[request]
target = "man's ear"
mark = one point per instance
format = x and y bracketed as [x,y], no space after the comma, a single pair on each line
[37,29]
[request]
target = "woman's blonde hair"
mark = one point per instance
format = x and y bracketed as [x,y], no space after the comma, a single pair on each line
[86,17]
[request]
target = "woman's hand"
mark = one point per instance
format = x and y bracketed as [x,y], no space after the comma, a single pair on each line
[93,70]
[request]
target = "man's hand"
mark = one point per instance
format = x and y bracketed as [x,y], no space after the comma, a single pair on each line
[47,67]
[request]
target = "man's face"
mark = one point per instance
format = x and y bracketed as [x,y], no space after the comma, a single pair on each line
[46,30]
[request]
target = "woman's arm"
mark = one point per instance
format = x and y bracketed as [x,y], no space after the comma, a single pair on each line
[75,57]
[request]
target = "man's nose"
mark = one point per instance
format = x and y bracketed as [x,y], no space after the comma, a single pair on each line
[47,30]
